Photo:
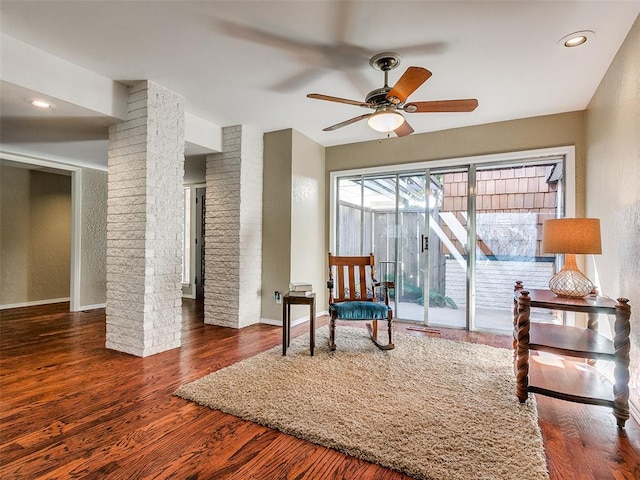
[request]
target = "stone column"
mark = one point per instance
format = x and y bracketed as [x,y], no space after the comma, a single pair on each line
[144,223]
[233,230]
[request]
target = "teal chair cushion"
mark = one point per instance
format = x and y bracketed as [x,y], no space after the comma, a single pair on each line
[360,310]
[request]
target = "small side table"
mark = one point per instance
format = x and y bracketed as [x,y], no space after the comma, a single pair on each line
[568,382]
[288,300]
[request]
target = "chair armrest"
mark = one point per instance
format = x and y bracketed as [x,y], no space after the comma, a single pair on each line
[386,287]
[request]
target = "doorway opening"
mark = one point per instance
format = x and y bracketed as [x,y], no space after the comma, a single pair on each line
[40,165]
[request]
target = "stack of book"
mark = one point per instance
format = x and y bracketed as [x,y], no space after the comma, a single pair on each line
[301,289]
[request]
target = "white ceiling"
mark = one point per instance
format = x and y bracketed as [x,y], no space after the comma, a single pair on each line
[253,62]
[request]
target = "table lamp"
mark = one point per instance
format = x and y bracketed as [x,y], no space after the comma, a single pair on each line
[571,236]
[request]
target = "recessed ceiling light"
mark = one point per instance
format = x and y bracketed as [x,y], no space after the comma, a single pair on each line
[575,41]
[576,38]
[39,103]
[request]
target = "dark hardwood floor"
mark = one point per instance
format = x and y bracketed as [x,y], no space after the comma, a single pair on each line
[72,409]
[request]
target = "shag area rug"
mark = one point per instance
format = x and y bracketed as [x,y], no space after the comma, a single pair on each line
[430,408]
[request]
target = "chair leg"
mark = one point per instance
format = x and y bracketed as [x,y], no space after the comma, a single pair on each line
[390,322]
[332,334]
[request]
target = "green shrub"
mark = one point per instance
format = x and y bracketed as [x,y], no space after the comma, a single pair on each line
[436,299]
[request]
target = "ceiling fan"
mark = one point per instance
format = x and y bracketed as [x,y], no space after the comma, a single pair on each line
[389,101]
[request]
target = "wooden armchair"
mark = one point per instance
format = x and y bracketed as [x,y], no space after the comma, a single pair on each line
[353,297]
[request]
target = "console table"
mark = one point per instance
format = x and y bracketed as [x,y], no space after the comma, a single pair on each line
[291,299]
[567,380]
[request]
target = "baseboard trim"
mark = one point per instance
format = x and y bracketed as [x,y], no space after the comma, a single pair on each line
[298,321]
[271,321]
[278,323]
[35,303]
[93,307]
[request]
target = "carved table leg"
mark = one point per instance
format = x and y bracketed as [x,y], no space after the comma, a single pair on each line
[621,369]
[517,287]
[592,324]
[522,353]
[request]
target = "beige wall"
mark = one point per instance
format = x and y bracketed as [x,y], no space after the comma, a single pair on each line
[14,228]
[36,236]
[613,184]
[515,135]
[308,239]
[276,220]
[93,246]
[293,242]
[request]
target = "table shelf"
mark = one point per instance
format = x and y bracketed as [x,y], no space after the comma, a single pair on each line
[569,380]
[574,341]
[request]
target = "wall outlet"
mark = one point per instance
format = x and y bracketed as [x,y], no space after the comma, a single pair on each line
[277,296]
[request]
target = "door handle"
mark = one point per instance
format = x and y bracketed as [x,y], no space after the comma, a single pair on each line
[424,243]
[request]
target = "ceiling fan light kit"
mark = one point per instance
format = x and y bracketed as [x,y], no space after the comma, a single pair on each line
[388,102]
[385,120]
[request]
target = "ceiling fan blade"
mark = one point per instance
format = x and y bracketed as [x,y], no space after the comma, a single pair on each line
[299,79]
[346,122]
[404,129]
[408,83]
[467,105]
[319,96]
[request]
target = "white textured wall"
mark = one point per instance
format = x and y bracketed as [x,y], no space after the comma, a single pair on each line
[233,230]
[93,248]
[251,227]
[144,223]
[613,184]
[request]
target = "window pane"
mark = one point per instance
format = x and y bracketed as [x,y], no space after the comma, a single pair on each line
[511,204]
[447,248]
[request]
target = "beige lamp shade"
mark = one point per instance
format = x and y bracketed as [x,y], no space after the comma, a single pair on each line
[571,235]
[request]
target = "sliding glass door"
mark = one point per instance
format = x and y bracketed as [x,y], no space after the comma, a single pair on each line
[411,262]
[420,226]
[448,238]
[512,202]
[385,214]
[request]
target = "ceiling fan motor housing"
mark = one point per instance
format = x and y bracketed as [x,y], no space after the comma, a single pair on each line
[378,96]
